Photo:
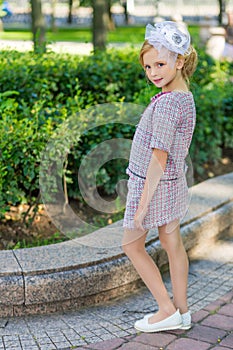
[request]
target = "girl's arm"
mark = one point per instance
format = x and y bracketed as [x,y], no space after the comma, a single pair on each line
[155,171]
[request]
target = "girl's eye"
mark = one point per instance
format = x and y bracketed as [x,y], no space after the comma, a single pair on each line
[160,64]
[147,67]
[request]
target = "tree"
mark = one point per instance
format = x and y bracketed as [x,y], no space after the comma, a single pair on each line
[69,19]
[38,26]
[100,24]
[111,24]
[222,11]
[124,4]
[53,8]
[2,14]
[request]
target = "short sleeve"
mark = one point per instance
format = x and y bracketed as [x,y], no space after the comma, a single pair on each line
[165,120]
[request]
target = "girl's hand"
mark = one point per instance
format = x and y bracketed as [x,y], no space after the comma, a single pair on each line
[139,217]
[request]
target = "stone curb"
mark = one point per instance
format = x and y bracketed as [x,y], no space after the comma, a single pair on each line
[70,275]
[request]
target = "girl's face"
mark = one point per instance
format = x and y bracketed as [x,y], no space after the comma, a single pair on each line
[160,73]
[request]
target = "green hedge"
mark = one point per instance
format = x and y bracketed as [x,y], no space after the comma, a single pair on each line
[37,93]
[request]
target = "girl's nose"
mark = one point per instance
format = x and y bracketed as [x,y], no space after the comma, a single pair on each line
[153,71]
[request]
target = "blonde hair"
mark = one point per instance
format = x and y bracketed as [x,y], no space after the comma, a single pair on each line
[190,60]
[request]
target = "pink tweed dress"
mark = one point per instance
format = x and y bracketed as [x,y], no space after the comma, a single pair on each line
[166,124]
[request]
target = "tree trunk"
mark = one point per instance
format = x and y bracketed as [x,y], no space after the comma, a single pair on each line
[111,24]
[38,26]
[100,22]
[222,9]
[53,8]
[124,4]
[69,19]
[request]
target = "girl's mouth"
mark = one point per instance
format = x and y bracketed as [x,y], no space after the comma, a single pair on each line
[157,81]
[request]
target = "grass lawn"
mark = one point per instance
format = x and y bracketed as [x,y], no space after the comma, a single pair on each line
[121,34]
[134,35]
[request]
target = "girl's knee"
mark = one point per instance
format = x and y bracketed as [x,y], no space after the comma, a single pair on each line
[133,248]
[170,241]
[133,243]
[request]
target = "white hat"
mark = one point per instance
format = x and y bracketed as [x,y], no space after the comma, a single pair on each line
[171,35]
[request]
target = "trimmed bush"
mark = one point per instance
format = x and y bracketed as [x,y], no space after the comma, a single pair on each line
[38,93]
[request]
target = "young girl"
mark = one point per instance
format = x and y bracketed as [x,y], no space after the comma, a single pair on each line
[158,192]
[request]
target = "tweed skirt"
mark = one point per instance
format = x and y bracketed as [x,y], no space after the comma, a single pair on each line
[169,202]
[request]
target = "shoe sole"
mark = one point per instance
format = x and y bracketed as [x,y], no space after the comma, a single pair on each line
[159,329]
[185,327]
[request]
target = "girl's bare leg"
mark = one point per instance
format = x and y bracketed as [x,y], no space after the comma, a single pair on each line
[134,247]
[178,263]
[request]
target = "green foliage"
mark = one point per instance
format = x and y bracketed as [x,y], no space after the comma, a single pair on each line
[38,93]
[55,238]
[213,96]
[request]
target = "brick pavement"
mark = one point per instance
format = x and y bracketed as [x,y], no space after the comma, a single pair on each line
[212,329]
[110,326]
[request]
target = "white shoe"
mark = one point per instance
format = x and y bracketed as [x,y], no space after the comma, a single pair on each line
[186,320]
[172,322]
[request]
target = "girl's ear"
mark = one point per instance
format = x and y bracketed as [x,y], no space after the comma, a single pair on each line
[180,63]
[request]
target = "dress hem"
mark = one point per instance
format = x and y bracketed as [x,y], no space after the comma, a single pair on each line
[156,225]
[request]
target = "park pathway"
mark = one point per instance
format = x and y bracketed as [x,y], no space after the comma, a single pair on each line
[110,326]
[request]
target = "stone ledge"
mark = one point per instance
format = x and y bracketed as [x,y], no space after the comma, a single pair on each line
[70,275]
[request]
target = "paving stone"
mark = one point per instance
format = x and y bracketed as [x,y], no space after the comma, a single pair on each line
[201,304]
[10,338]
[131,331]
[29,342]
[226,310]
[177,332]
[217,347]
[86,333]
[26,337]
[62,345]
[98,332]
[107,345]
[199,315]
[137,346]
[227,297]
[156,339]
[108,336]
[228,341]
[69,333]
[92,340]
[77,342]
[112,328]
[183,344]
[120,334]
[44,340]
[12,344]
[32,347]
[219,321]
[58,338]
[208,334]
[214,305]
[48,347]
